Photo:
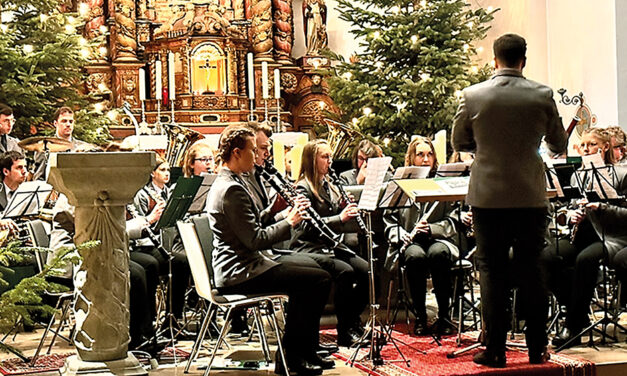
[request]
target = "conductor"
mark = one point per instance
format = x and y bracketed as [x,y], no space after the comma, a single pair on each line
[503,120]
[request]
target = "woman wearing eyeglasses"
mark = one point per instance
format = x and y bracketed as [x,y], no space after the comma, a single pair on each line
[199,160]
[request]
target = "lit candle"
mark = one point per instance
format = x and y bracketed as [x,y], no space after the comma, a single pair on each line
[171,85]
[142,84]
[158,80]
[264,80]
[251,77]
[277,84]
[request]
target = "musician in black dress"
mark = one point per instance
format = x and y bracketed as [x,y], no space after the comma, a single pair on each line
[432,250]
[240,266]
[349,271]
[150,202]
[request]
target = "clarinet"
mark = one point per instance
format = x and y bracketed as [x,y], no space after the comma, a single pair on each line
[288,192]
[132,210]
[414,232]
[335,180]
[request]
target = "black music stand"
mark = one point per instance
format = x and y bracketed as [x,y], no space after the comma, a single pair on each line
[600,194]
[27,199]
[198,203]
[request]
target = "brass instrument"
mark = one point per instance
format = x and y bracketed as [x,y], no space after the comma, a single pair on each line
[179,140]
[339,137]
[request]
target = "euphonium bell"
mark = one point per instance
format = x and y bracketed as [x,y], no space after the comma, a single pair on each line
[179,140]
[339,137]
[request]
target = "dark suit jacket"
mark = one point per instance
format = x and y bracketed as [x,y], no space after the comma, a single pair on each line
[42,163]
[12,145]
[503,120]
[306,238]
[3,197]
[238,235]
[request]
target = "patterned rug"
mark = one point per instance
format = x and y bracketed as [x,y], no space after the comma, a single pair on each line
[46,363]
[435,361]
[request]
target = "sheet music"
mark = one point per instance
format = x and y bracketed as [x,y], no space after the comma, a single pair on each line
[453,169]
[392,195]
[553,176]
[375,174]
[605,190]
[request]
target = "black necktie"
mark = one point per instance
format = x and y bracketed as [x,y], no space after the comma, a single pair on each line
[4,142]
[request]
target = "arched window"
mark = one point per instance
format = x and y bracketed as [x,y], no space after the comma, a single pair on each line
[208,70]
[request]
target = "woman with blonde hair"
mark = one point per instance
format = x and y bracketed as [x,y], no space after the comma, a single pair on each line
[431,250]
[349,271]
[199,159]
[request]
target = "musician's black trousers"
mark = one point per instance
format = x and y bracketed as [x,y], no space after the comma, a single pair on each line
[419,260]
[140,326]
[307,289]
[496,231]
[350,275]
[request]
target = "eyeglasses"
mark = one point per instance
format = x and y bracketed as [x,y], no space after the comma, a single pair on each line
[204,160]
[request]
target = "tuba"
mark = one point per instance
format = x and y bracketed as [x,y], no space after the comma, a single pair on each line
[179,140]
[339,137]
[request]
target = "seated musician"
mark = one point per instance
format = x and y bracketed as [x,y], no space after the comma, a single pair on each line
[7,143]
[349,271]
[238,262]
[140,308]
[64,125]
[13,170]
[432,250]
[617,143]
[199,160]
[573,266]
[150,202]
[357,175]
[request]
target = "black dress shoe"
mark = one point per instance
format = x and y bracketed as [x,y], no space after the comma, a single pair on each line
[297,366]
[539,357]
[443,326]
[348,338]
[323,362]
[565,336]
[490,359]
[326,349]
[420,327]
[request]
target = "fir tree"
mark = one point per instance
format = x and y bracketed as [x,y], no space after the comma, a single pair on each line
[417,56]
[42,56]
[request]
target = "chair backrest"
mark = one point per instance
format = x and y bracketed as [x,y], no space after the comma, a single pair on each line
[197,262]
[205,236]
[40,239]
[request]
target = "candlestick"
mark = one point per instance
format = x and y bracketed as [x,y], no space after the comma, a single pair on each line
[264,80]
[158,80]
[277,96]
[171,84]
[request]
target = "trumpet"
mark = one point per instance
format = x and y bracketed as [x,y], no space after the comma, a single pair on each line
[347,199]
[288,192]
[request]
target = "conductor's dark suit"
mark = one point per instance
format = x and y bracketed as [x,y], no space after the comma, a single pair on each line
[503,120]
[240,267]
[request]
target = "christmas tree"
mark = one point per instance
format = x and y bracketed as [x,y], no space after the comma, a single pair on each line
[42,56]
[417,57]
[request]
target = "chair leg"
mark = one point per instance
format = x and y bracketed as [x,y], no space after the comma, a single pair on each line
[272,314]
[201,337]
[43,337]
[225,328]
[263,340]
[64,314]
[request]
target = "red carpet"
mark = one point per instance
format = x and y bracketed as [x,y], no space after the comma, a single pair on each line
[46,363]
[435,361]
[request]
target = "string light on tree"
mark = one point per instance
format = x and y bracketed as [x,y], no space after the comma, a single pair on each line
[414,38]
[43,17]
[458,94]
[99,107]
[82,41]
[367,111]
[347,76]
[395,9]
[376,35]
[4,28]
[71,20]
[355,121]
[386,142]
[423,3]
[474,69]
[28,48]
[84,53]
[379,64]
[69,29]
[425,76]
[466,47]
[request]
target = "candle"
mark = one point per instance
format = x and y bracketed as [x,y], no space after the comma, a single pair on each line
[277,84]
[171,84]
[251,77]
[439,145]
[264,80]
[278,151]
[142,84]
[158,80]
[297,156]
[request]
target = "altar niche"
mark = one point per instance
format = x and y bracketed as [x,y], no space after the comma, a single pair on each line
[208,70]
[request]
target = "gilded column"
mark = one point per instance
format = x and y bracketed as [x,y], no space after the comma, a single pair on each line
[125,33]
[261,29]
[283,30]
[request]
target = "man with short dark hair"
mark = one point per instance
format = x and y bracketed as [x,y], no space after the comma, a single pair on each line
[7,143]
[503,120]
[13,170]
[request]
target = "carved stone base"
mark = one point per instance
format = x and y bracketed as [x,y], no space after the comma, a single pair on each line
[123,367]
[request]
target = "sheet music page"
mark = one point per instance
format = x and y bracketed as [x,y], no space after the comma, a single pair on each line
[456,185]
[375,174]
[453,169]
[605,190]
[553,175]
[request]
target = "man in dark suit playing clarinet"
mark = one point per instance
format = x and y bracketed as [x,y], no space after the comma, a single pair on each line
[503,120]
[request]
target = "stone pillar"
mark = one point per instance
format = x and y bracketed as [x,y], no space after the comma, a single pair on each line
[91,181]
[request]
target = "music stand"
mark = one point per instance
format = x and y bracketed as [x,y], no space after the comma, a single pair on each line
[199,201]
[28,199]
